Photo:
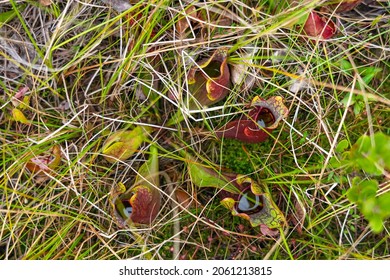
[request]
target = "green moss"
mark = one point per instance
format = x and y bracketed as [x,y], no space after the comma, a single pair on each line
[243,158]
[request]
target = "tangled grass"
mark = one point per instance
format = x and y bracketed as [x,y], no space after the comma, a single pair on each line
[90,68]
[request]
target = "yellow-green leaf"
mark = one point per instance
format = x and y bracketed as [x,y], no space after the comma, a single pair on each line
[124,143]
[19,116]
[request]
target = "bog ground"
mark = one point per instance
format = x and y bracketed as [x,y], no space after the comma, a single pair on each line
[194,129]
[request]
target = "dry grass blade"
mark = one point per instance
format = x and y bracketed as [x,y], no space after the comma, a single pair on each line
[74,73]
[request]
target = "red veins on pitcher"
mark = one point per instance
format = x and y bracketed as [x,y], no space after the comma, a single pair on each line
[256,126]
[209,81]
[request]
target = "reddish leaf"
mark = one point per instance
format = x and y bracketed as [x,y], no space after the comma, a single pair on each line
[141,203]
[298,217]
[45,2]
[209,81]
[184,199]
[256,126]
[145,204]
[21,93]
[44,164]
[319,27]
[184,23]
[269,232]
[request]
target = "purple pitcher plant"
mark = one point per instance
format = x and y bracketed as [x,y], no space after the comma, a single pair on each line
[141,203]
[240,194]
[209,80]
[257,125]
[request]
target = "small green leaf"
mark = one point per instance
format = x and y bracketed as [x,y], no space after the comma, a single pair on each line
[342,146]
[369,166]
[368,189]
[353,195]
[367,74]
[344,101]
[302,19]
[369,156]
[346,66]
[304,137]
[376,224]
[382,149]
[377,20]
[384,205]
[362,190]
[206,177]
[369,207]
[375,209]
[25,102]
[362,145]
[9,15]
[357,108]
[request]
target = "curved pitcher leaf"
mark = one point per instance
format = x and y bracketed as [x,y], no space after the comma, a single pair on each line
[240,194]
[124,143]
[256,126]
[202,176]
[254,203]
[141,203]
[209,81]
